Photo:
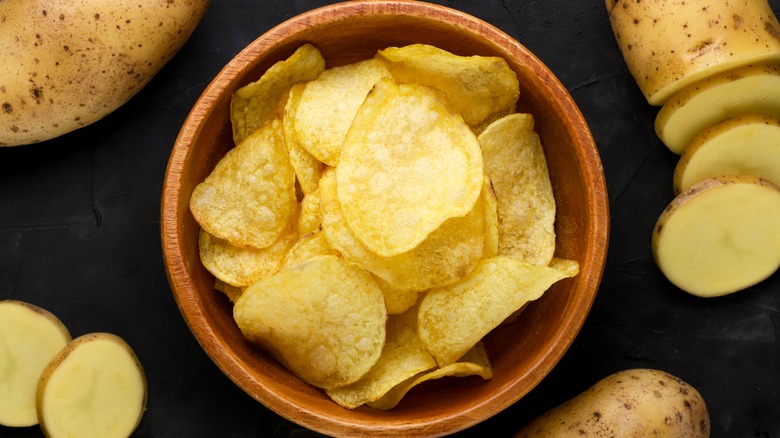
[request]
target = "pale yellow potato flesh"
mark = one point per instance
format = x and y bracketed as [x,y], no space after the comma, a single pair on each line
[631,403]
[94,388]
[748,90]
[747,145]
[721,236]
[29,338]
[668,45]
[54,80]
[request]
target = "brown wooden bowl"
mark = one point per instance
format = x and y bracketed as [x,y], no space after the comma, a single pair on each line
[523,352]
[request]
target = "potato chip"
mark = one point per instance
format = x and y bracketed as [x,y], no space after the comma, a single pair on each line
[403,357]
[474,363]
[477,87]
[515,163]
[308,247]
[243,265]
[249,197]
[309,218]
[327,105]
[307,168]
[255,104]
[232,292]
[323,319]
[449,253]
[397,301]
[407,165]
[454,318]
[491,219]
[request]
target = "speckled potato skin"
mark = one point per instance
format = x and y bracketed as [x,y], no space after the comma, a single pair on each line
[68,64]
[669,44]
[633,403]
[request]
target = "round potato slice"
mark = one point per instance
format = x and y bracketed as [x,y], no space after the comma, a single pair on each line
[323,319]
[29,338]
[407,165]
[720,236]
[748,145]
[94,388]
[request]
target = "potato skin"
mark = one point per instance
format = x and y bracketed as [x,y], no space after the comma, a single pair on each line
[68,64]
[631,403]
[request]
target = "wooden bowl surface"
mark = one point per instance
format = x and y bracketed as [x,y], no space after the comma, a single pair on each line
[523,352]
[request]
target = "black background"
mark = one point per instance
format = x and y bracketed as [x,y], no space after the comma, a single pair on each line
[80,236]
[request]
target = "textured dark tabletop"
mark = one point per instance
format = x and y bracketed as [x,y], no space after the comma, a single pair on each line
[80,236]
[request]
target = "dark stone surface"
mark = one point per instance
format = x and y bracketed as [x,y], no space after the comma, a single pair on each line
[79,235]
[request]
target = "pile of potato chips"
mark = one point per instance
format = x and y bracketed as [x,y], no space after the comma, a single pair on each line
[376,220]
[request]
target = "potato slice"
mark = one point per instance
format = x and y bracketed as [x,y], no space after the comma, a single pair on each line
[477,87]
[447,254]
[309,217]
[323,319]
[308,169]
[29,338]
[95,387]
[720,236]
[249,197]
[255,104]
[669,45]
[407,165]
[747,90]
[453,319]
[327,105]
[308,247]
[517,167]
[748,145]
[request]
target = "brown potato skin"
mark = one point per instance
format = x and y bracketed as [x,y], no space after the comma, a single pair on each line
[69,64]
[631,403]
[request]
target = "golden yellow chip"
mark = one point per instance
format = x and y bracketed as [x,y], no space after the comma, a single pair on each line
[474,363]
[407,165]
[477,87]
[255,104]
[454,318]
[232,292]
[491,219]
[249,197]
[308,247]
[323,319]
[403,357]
[397,301]
[307,168]
[309,218]
[516,165]
[327,105]
[243,265]
[449,253]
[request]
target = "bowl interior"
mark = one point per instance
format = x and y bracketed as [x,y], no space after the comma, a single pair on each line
[523,352]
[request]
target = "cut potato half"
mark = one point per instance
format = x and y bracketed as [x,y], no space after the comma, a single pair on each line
[748,90]
[669,45]
[720,236]
[29,338]
[747,145]
[94,388]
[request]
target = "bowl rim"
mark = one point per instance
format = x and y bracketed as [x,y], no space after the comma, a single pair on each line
[185,291]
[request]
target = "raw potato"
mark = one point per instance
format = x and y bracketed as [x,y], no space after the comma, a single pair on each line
[670,44]
[747,145]
[748,90]
[29,338]
[720,236]
[95,387]
[633,403]
[68,64]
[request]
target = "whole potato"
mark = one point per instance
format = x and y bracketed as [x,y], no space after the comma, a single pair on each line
[68,64]
[631,403]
